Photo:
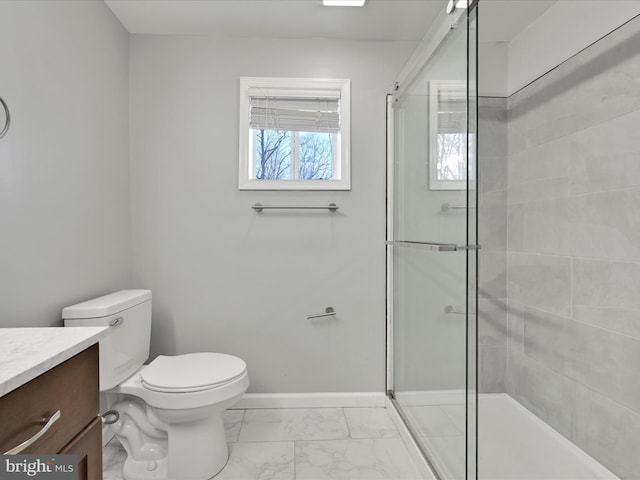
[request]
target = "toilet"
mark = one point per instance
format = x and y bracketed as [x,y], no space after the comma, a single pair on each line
[169,411]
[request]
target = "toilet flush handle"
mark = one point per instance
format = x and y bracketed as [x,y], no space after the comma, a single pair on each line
[116,322]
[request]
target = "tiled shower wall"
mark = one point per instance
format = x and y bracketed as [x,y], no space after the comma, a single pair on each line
[573,250]
[492,235]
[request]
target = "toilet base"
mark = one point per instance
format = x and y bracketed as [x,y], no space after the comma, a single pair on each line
[159,449]
[197,450]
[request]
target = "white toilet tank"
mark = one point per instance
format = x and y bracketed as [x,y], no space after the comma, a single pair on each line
[125,347]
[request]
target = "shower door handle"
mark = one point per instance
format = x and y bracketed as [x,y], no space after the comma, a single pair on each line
[468,247]
[436,247]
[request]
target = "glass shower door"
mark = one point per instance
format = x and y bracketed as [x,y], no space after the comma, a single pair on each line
[432,251]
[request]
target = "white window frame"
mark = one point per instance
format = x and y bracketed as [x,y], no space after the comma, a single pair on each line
[342,164]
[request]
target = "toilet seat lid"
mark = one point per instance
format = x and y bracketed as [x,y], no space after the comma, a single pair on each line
[191,372]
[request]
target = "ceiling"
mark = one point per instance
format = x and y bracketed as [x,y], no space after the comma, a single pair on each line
[378,20]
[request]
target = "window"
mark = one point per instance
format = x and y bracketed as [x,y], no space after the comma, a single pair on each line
[448,135]
[294,134]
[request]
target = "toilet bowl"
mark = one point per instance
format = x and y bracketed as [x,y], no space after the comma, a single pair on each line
[170,421]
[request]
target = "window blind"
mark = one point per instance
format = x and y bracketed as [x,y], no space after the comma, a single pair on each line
[301,113]
[452,112]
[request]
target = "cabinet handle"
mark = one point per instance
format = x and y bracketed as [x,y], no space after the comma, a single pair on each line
[53,419]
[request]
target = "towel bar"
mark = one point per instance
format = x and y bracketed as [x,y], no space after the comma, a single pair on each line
[258,207]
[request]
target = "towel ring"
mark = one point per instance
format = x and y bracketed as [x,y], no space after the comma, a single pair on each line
[8,118]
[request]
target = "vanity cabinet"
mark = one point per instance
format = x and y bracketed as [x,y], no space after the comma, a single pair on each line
[71,388]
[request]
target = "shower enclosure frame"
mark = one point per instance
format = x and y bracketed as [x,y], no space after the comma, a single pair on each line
[438,35]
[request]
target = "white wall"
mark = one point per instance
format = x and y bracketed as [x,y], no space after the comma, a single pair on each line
[228,279]
[64,164]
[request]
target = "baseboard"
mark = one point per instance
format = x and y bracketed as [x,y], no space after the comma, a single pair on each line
[310,400]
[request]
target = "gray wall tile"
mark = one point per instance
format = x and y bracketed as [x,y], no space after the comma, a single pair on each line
[492,218]
[600,225]
[493,102]
[515,227]
[546,393]
[600,359]
[619,320]
[492,322]
[540,280]
[492,127]
[493,364]
[606,284]
[606,81]
[515,326]
[539,189]
[549,161]
[573,242]
[542,112]
[493,172]
[596,85]
[548,226]
[607,225]
[605,157]
[493,274]
[605,294]
[608,432]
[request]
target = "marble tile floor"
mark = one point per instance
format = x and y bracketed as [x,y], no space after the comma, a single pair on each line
[304,444]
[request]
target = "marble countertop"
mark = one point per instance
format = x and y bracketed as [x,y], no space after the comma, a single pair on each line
[26,353]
